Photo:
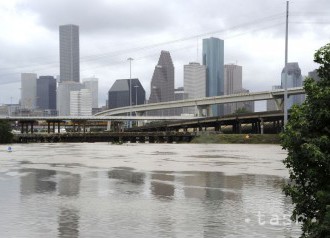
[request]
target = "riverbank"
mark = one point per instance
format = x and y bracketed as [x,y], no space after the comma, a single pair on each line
[237,139]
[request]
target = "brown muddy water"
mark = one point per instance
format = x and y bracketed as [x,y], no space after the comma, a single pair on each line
[144,190]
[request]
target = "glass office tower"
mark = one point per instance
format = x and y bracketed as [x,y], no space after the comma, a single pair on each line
[213,59]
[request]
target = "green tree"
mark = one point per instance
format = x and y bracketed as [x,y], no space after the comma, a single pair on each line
[5,132]
[307,139]
[242,110]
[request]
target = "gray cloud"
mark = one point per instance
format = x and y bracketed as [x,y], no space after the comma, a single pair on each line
[98,15]
[109,30]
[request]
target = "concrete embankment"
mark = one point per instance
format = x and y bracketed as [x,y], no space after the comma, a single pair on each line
[237,139]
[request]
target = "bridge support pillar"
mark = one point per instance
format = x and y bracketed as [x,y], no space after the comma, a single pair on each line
[109,126]
[279,104]
[48,124]
[22,127]
[27,128]
[140,122]
[204,111]
[261,126]
[59,127]
[31,127]
[53,130]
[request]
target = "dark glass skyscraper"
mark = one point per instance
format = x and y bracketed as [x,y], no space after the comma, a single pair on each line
[119,93]
[213,59]
[46,93]
[69,53]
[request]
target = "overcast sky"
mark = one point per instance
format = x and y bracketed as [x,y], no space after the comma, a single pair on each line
[113,30]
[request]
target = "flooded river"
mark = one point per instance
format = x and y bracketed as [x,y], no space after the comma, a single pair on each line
[144,190]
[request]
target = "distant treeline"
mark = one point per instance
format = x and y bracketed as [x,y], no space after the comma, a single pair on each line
[5,132]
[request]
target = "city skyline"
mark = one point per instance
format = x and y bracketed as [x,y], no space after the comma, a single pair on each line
[258,47]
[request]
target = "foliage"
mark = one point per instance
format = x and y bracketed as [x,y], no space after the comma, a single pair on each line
[5,132]
[307,139]
[236,139]
[242,110]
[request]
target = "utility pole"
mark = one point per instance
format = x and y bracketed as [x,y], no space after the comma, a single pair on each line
[130,89]
[285,67]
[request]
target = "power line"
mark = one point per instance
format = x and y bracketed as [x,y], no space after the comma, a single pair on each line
[130,50]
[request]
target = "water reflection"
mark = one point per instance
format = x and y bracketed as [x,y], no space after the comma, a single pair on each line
[127,175]
[68,223]
[37,181]
[68,184]
[162,185]
[168,203]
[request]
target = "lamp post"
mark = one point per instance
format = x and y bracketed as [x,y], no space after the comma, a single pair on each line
[130,89]
[286,66]
[136,86]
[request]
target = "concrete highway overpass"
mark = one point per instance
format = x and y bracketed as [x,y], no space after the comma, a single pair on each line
[205,103]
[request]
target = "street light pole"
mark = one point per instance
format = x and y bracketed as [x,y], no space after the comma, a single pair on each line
[130,89]
[136,86]
[286,67]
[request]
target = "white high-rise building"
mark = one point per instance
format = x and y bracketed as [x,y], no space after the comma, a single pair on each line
[81,103]
[28,90]
[194,77]
[93,85]
[63,96]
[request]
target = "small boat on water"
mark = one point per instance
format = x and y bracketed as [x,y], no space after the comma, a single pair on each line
[9,149]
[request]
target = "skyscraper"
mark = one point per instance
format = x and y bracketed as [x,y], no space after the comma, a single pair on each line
[294,79]
[232,79]
[233,84]
[271,103]
[162,82]
[93,85]
[194,80]
[46,93]
[63,96]
[28,90]
[314,75]
[81,103]
[119,93]
[69,53]
[213,59]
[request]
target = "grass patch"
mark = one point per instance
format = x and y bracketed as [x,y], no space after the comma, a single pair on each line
[237,139]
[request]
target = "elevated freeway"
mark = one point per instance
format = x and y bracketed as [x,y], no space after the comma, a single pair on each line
[205,103]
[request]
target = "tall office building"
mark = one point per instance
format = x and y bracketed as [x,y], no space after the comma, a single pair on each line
[93,85]
[271,104]
[69,53]
[63,96]
[162,83]
[213,59]
[294,79]
[233,84]
[28,91]
[194,80]
[232,79]
[46,93]
[314,75]
[81,103]
[180,94]
[119,93]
